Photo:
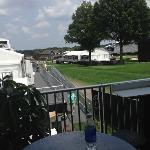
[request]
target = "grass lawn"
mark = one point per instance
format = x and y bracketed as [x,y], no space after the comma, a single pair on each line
[104,74]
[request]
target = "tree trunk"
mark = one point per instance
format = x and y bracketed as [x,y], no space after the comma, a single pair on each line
[90,57]
[121,52]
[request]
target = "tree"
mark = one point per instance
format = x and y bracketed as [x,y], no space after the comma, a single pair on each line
[81,30]
[141,22]
[122,20]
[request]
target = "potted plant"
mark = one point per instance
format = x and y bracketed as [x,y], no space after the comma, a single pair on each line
[23,115]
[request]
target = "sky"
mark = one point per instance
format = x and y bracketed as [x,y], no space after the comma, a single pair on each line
[31,24]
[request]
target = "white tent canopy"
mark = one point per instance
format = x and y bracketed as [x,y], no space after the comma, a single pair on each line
[99,54]
[72,53]
[96,51]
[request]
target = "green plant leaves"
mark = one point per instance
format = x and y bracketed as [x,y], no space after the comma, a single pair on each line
[23,114]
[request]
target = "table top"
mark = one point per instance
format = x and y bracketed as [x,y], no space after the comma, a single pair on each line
[75,141]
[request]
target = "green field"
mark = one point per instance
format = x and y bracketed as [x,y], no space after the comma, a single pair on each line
[89,75]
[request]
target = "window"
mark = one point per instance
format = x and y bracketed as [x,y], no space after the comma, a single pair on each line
[84,57]
[3,44]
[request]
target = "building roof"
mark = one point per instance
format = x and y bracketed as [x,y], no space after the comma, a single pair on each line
[10,57]
[3,39]
[132,88]
[130,48]
[72,53]
[46,52]
[97,51]
[100,51]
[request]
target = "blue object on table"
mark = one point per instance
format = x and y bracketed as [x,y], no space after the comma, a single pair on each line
[90,132]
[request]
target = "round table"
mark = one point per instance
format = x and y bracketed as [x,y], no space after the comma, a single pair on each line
[75,141]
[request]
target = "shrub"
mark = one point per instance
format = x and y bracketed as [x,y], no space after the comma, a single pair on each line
[23,115]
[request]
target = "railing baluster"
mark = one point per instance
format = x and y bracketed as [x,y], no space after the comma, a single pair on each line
[47,100]
[79,110]
[46,96]
[92,91]
[123,105]
[108,108]
[122,114]
[137,129]
[85,101]
[105,110]
[111,109]
[99,107]
[64,111]
[130,101]
[119,113]
[71,112]
[127,113]
[134,115]
[141,115]
[113,114]
[101,111]
[55,99]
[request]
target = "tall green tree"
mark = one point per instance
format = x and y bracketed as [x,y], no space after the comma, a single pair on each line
[141,20]
[122,20]
[82,29]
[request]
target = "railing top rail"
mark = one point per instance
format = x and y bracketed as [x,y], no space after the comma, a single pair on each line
[131,84]
[75,88]
[91,86]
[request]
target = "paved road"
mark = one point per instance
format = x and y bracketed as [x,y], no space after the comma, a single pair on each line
[44,81]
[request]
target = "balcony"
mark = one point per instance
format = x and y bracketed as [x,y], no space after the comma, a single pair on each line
[122,116]
[119,109]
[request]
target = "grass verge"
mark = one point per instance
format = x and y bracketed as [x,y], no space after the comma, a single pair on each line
[88,75]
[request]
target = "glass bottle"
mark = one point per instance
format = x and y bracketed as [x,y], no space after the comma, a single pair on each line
[90,133]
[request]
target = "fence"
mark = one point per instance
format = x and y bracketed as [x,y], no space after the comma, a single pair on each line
[110,112]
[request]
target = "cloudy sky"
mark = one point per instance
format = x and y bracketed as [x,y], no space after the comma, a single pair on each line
[31,24]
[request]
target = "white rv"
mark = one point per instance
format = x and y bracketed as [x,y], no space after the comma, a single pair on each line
[13,63]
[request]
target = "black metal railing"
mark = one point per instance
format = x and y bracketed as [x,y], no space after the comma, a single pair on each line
[110,112]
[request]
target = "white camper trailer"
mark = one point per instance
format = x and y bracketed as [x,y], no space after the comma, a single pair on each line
[14,64]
